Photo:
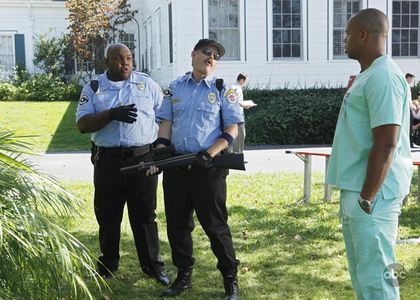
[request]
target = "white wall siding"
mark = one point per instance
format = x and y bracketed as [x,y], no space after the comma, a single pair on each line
[162,71]
[32,18]
[316,67]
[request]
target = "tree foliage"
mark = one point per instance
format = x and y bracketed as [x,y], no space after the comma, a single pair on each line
[50,53]
[39,259]
[94,24]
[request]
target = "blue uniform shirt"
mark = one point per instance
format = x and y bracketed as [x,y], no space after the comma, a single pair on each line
[196,109]
[139,89]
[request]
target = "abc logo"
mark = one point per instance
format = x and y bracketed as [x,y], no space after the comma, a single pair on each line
[394,274]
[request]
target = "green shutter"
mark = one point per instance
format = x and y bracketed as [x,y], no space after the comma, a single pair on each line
[20,50]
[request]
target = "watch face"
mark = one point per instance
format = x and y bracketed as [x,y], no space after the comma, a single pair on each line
[365,204]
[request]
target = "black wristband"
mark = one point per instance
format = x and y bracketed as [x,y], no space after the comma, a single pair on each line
[227,137]
[162,141]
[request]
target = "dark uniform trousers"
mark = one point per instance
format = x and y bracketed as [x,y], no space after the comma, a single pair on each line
[202,191]
[112,190]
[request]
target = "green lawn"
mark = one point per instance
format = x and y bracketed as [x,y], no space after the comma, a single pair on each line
[286,251]
[52,124]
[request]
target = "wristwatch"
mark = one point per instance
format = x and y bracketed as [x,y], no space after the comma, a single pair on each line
[366,205]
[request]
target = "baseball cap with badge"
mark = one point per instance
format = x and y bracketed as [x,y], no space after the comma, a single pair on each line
[203,43]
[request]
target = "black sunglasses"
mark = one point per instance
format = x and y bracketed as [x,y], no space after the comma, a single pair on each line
[209,52]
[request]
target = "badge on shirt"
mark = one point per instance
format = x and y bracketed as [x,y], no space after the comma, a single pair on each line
[229,91]
[140,85]
[211,98]
[84,99]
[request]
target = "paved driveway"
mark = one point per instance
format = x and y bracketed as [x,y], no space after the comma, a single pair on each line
[77,166]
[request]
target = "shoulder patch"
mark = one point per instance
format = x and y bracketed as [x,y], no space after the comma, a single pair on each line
[231,98]
[167,93]
[83,99]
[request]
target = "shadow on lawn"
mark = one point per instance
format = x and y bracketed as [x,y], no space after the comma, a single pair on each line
[67,129]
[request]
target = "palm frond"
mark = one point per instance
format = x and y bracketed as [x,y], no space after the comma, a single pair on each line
[39,259]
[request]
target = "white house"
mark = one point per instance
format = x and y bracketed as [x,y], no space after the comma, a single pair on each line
[21,21]
[293,43]
[278,43]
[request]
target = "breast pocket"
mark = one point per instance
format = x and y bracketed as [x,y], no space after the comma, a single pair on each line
[144,104]
[180,111]
[102,102]
[208,114]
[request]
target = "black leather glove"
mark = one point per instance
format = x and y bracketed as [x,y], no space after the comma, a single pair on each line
[204,159]
[124,113]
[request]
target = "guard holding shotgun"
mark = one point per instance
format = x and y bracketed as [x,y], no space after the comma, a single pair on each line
[199,115]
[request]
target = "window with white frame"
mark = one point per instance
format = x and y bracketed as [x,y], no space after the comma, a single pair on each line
[287,29]
[342,11]
[224,26]
[7,52]
[129,40]
[405,28]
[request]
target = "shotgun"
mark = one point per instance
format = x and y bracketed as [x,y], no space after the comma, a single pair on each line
[233,161]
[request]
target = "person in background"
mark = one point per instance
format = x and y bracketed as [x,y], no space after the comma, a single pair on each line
[413,109]
[119,111]
[239,143]
[410,78]
[197,117]
[371,159]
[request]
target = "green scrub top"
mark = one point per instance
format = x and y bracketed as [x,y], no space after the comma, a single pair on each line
[379,96]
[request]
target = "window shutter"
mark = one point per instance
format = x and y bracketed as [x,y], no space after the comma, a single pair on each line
[20,50]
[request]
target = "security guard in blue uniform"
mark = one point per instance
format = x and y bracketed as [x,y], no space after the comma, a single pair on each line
[198,117]
[119,111]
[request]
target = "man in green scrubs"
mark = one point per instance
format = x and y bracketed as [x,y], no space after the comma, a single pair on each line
[371,161]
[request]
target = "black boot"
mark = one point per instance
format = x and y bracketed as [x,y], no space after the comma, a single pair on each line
[180,285]
[106,268]
[230,283]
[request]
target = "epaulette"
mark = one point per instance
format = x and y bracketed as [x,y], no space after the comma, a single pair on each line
[141,73]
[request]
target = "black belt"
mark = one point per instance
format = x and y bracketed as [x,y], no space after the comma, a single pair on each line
[126,152]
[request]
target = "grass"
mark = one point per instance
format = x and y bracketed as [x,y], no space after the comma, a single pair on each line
[286,251]
[51,124]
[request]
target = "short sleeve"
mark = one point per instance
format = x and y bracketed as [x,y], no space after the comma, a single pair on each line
[385,96]
[165,110]
[231,111]
[157,95]
[85,105]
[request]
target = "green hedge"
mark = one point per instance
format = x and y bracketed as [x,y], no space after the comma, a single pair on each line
[40,87]
[292,117]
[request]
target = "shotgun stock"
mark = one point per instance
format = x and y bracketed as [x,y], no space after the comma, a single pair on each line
[233,161]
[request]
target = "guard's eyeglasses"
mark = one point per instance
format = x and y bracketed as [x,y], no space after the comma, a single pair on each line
[209,52]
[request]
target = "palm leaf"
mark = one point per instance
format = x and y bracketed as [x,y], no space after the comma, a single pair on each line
[39,259]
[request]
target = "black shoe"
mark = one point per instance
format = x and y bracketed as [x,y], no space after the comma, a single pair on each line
[159,274]
[106,273]
[180,285]
[230,283]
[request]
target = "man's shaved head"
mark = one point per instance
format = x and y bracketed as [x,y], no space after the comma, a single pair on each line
[372,20]
[113,47]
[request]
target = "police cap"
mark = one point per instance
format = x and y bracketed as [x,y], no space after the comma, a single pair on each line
[209,42]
